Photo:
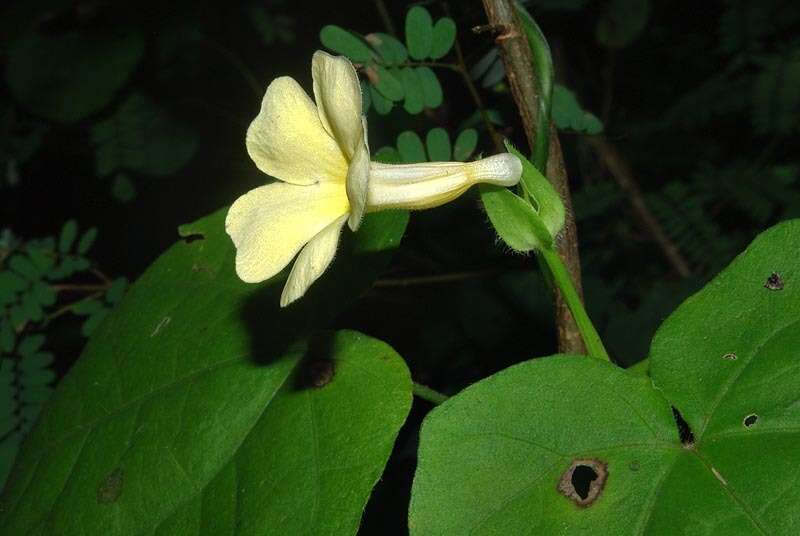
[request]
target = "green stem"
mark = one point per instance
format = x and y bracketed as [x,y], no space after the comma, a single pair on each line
[426,393]
[562,279]
[543,67]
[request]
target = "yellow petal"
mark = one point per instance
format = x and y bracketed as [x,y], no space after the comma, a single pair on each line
[269,225]
[338,96]
[358,181]
[312,262]
[287,139]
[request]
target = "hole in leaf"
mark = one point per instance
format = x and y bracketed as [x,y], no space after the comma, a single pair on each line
[582,478]
[750,420]
[583,482]
[774,282]
[684,432]
[730,356]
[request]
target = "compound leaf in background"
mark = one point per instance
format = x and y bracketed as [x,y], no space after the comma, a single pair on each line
[346,43]
[444,35]
[414,101]
[388,155]
[381,104]
[569,115]
[622,22]
[419,32]
[67,237]
[438,143]
[391,50]
[67,77]
[271,26]
[141,137]
[410,147]
[495,74]
[387,82]
[571,444]
[431,88]
[465,144]
[87,240]
[199,402]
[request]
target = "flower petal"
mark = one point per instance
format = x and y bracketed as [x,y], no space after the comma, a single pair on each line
[430,184]
[358,181]
[338,96]
[313,260]
[269,225]
[288,141]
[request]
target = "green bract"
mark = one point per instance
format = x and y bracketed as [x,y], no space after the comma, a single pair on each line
[525,224]
[571,445]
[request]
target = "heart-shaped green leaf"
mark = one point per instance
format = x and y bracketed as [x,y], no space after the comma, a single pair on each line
[573,445]
[195,405]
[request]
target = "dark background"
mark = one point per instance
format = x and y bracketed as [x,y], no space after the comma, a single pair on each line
[701,103]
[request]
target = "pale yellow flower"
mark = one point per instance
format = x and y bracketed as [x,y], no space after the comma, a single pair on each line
[320,154]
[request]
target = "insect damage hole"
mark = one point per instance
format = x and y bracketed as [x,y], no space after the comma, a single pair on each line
[583,482]
[774,282]
[750,420]
[684,432]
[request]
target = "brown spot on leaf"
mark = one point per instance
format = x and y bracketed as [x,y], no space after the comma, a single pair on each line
[774,282]
[110,488]
[583,481]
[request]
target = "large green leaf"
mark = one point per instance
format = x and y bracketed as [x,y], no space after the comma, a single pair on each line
[67,77]
[196,409]
[568,445]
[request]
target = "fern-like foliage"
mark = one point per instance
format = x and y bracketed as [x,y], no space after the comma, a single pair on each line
[40,281]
